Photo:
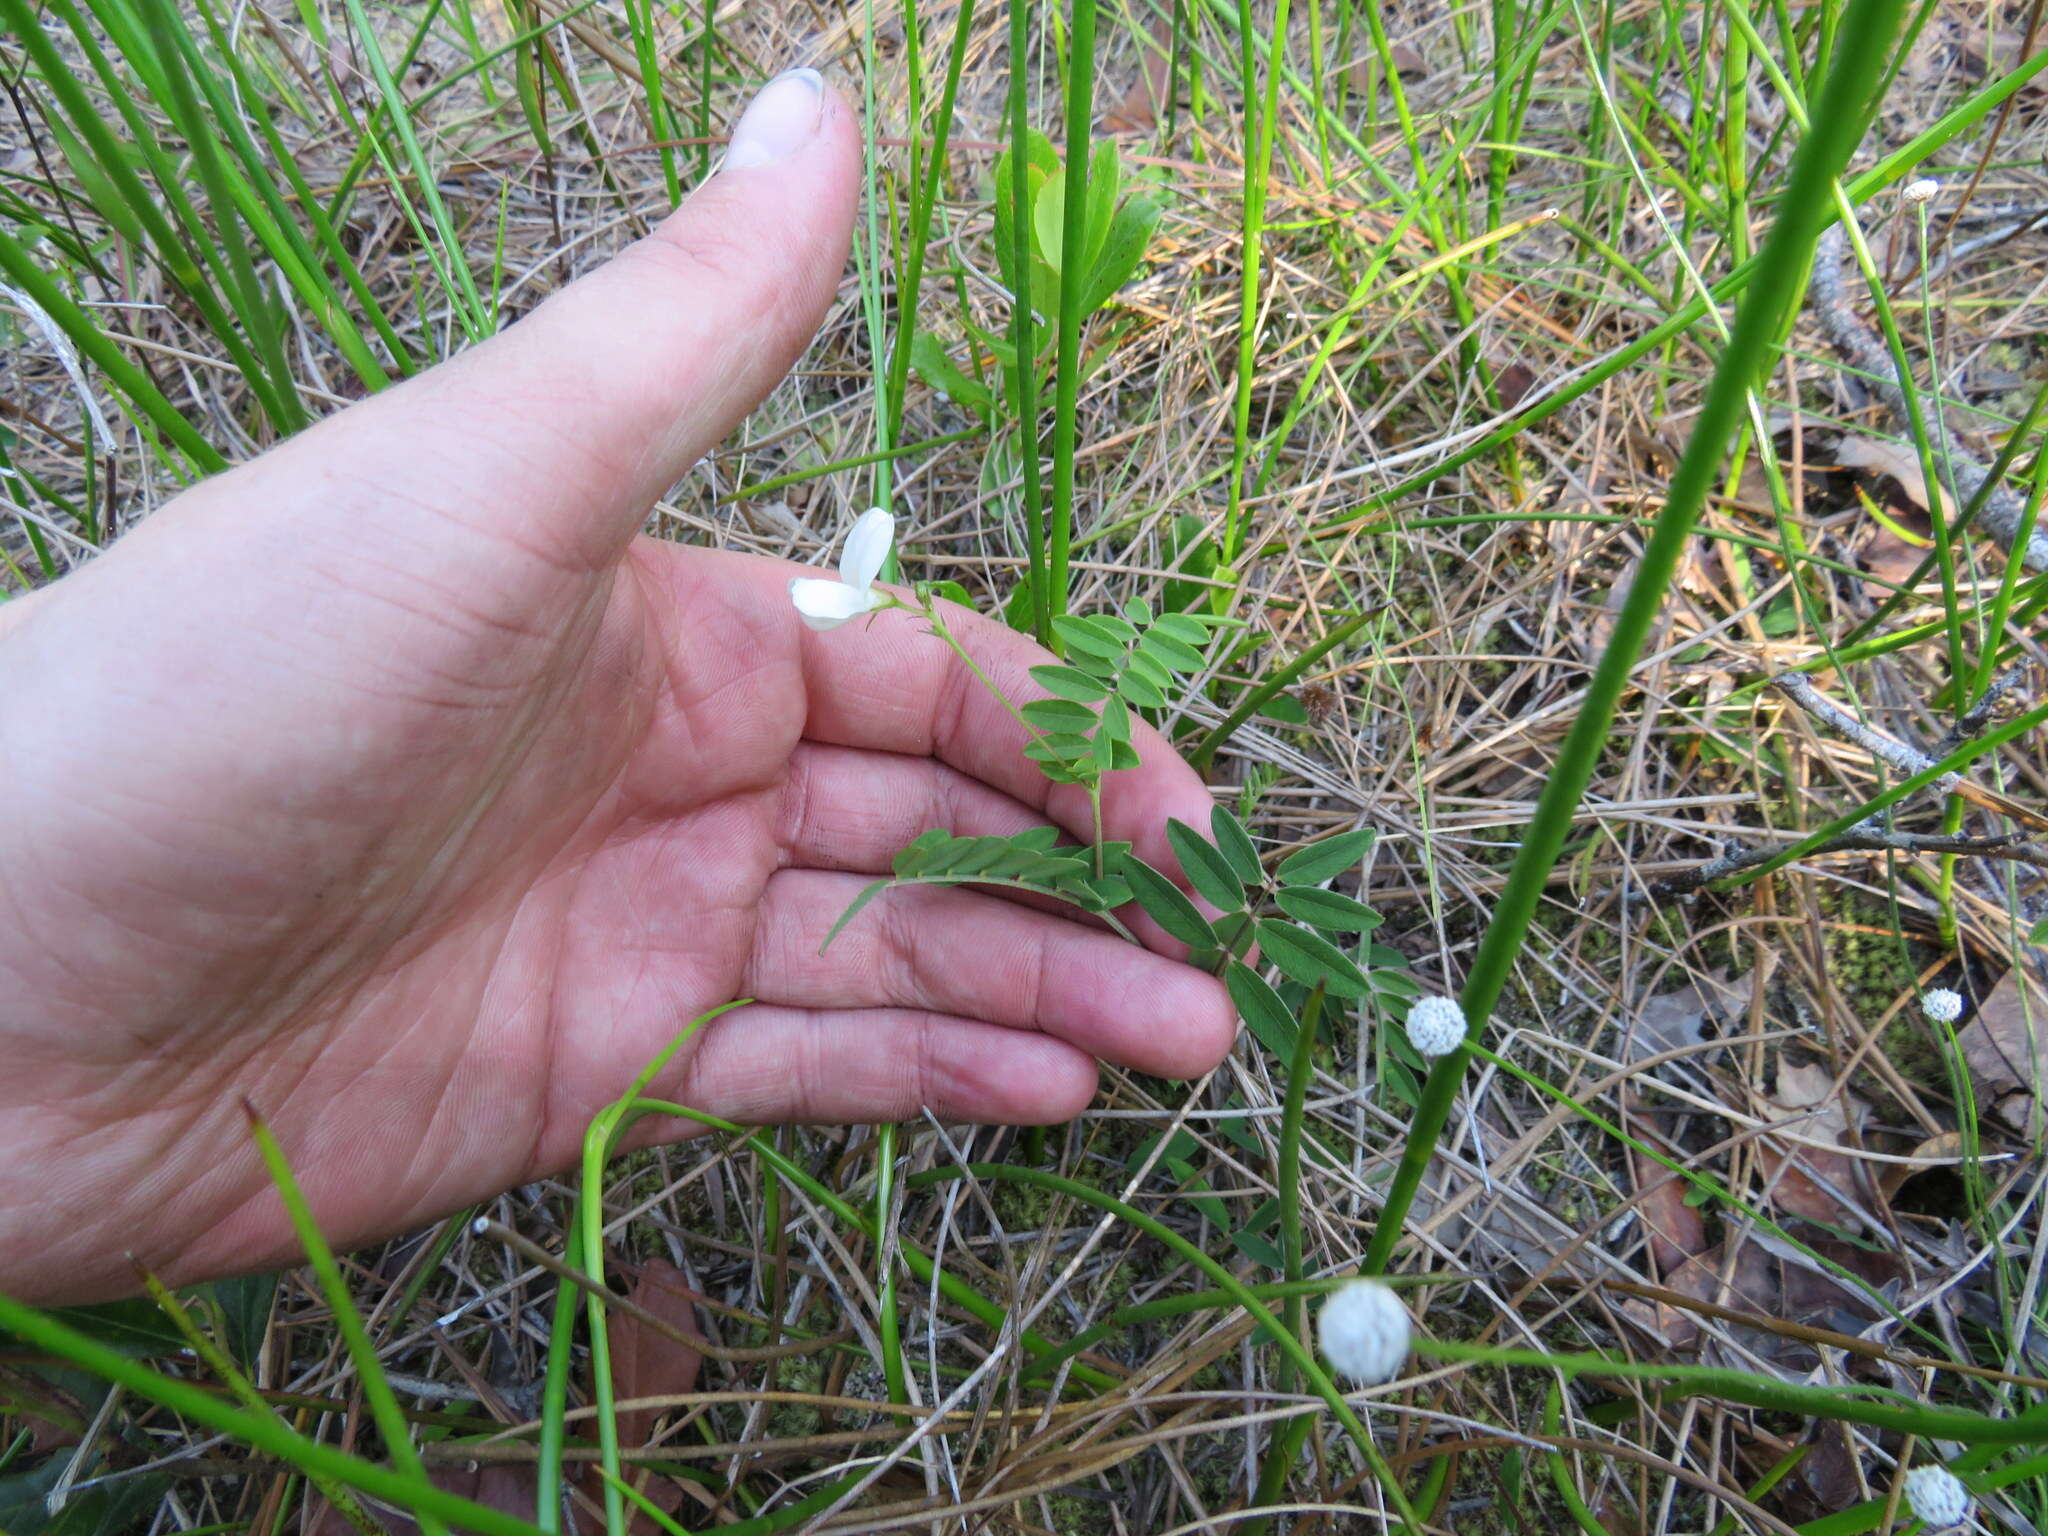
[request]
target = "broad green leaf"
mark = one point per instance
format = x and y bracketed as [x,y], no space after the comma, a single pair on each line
[1285,708]
[1392,983]
[1040,838]
[1182,627]
[1105,180]
[1067,683]
[1048,218]
[1235,844]
[1141,692]
[1208,871]
[964,855]
[1310,958]
[1234,933]
[1175,655]
[1059,715]
[1326,909]
[2038,934]
[1163,900]
[951,591]
[1059,748]
[1138,612]
[1110,623]
[929,358]
[1269,1020]
[1150,668]
[1125,754]
[1122,251]
[1326,860]
[1089,634]
[1116,720]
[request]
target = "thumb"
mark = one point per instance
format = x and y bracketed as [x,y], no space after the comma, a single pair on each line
[557,433]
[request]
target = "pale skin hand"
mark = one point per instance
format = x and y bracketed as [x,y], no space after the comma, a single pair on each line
[394,784]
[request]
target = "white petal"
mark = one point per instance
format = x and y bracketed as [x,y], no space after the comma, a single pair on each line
[866,548]
[828,604]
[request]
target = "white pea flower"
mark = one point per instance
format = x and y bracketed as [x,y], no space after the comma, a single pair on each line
[1938,1496]
[1941,1005]
[1923,190]
[1364,1331]
[825,604]
[1436,1026]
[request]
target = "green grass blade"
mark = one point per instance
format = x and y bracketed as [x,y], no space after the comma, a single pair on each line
[1788,249]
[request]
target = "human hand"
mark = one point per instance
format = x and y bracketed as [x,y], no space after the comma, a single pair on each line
[392,783]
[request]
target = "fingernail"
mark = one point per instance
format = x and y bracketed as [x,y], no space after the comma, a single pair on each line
[779,121]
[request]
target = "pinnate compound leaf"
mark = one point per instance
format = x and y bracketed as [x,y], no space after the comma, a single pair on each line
[1326,909]
[1325,860]
[1208,871]
[1165,903]
[1310,958]
[911,858]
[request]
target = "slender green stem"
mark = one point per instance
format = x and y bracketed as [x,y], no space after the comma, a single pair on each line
[348,1323]
[1203,753]
[887,1323]
[1285,1449]
[1073,280]
[262,1432]
[1258,166]
[924,200]
[857,461]
[1780,266]
[1024,327]
[1236,1289]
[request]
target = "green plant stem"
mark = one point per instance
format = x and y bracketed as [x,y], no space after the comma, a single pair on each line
[857,461]
[1073,280]
[1203,753]
[262,1432]
[1285,1449]
[1964,116]
[1024,326]
[1781,265]
[1237,1290]
[1258,166]
[890,1327]
[924,200]
[1878,1407]
[384,1410]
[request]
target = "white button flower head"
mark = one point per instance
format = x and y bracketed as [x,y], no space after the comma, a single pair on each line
[1436,1026]
[1941,1005]
[1937,1495]
[1364,1331]
[824,604]
[1922,191]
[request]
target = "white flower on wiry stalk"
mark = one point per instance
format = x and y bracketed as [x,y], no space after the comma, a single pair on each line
[1364,1331]
[1436,1026]
[1937,1495]
[825,604]
[1922,191]
[1941,1005]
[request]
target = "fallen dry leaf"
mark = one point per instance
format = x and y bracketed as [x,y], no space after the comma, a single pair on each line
[1895,460]
[2005,1045]
[1801,1178]
[1140,107]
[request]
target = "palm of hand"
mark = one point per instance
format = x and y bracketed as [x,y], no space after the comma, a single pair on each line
[390,785]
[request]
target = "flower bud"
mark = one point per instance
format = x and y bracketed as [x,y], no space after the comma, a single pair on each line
[1436,1026]
[1941,1005]
[1938,1496]
[1364,1331]
[1920,191]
